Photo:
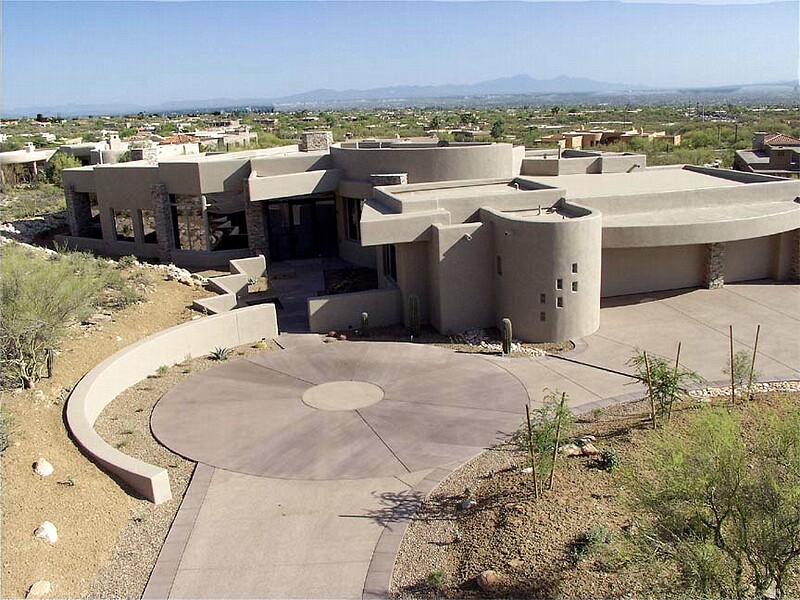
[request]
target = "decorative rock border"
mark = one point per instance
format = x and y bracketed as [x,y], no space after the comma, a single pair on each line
[132,364]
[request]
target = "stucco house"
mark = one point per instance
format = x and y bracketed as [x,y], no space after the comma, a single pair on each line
[772,154]
[477,231]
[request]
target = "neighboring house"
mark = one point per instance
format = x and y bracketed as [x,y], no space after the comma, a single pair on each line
[772,154]
[26,162]
[477,231]
[105,152]
[589,138]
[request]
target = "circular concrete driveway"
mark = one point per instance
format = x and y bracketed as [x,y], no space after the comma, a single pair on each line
[249,416]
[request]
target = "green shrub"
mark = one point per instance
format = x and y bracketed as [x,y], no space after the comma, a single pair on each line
[41,297]
[220,353]
[668,382]
[720,500]
[609,458]
[57,164]
[436,579]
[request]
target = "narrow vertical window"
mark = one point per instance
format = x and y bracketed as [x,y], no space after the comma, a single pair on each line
[499,265]
[559,284]
[542,298]
[574,286]
[542,317]
[574,267]
[559,302]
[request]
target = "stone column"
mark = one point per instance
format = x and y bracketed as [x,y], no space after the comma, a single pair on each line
[163,218]
[794,267]
[315,140]
[256,225]
[79,212]
[715,266]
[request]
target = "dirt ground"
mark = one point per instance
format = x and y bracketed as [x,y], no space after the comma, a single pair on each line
[87,507]
[538,547]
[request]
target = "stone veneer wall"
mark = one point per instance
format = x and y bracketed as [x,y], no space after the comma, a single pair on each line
[378,179]
[794,269]
[315,140]
[256,225]
[163,218]
[79,212]
[715,266]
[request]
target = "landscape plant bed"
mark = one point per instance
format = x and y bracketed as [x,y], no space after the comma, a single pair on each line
[125,424]
[573,542]
[469,342]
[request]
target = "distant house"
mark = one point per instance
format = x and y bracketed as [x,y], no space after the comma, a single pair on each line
[772,153]
[25,163]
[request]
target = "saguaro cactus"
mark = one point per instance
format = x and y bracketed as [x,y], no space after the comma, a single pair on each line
[413,314]
[507,335]
[365,324]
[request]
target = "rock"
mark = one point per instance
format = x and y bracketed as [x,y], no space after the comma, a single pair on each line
[328,340]
[489,580]
[516,563]
[527,470]
[342,338]
[331,334]
[590,449]
[570,450]
[47,532]
[39,395]
[96,318]
[40,589]
[468,503]
[584,439]
[43,468]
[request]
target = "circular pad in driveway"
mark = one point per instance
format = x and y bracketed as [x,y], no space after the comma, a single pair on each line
[249,416]
[342,395]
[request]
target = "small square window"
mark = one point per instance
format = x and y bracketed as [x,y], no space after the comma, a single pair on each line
[542,298]
[574,286]
[559,284]
[542,317]
[574,267]
[559,302]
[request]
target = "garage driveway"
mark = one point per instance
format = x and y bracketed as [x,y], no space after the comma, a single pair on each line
[243,534]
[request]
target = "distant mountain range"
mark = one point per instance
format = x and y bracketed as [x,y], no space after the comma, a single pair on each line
[519,88]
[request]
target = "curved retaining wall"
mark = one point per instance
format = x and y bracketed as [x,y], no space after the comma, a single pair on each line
[132,364]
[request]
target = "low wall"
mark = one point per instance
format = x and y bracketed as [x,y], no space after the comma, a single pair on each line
[132,364]
[343,311]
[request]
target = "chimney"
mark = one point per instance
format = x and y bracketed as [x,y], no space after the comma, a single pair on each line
[29,147]
[758,140]
[311,141]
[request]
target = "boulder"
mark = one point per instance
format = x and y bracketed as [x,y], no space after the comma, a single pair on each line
[570,450]
[47,532]
[589,449]
[40,589]
[43,468]
[489,580]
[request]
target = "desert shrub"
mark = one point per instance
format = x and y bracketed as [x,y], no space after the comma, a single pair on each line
[742,361]
[720,500]
[41,297]
[668,381]
[552,417]
[57,164]
[220,353]
[436,579]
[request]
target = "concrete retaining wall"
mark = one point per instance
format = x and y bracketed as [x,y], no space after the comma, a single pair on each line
[132,364]
[343,311]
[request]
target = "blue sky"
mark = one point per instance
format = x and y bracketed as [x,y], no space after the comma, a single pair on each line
[149,52]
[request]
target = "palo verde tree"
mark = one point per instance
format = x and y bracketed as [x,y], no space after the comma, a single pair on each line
[719,499]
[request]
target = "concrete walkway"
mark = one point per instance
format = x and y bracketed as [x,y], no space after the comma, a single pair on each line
[274,510]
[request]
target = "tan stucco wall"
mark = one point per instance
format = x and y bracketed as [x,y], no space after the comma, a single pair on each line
[634,270]
[461,283]
[412,278]
[534,255]
[125,187]
[342,312]
[427,164]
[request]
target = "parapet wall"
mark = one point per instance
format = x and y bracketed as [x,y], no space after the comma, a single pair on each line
[132,364]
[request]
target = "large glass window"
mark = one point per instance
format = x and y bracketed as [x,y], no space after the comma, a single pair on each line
[390,262]
[353,209]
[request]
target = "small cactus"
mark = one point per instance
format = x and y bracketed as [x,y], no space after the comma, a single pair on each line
[507,336]
[413,315]
[365,324]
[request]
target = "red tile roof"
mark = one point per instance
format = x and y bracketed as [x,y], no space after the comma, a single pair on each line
[779,139]
[178,139]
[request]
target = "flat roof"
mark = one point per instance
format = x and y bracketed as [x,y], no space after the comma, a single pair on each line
[637,182]
[468,190]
